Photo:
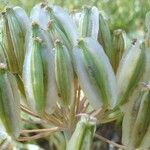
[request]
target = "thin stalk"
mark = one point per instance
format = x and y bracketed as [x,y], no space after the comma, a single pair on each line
[37,136]
[26,110]
[53,120]
[41,130]
[110,142]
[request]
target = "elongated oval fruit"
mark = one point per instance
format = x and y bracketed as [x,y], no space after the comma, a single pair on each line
[118,46]
[65,23]
[142,121]
[9,103]
[95,73]
[39,72]
[64,74]
[14,26]
[50,87]
[33,72]
[130,72]
[83,135]
[89,22]
[130,111]
[104,37]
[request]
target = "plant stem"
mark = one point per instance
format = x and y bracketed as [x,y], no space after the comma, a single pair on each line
[110,142]
[43,133]
[41,130]
[23,108]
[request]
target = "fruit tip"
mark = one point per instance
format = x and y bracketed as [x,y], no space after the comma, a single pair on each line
[58,42]
[35,24]
[43,4]
[80,41]
[37,39]
[50,22]
[48,8]
[118,32]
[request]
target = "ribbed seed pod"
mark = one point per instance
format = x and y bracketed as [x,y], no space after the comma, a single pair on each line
[64,74]
[14,25]
[104,37]
[118,46]
[39,72]
[65,23]
[145,144]
[83,135]
[50,87]
[130,110]
[33,72]
[129,73]
[95,73]
[142,121]
[9,103]
[89,22]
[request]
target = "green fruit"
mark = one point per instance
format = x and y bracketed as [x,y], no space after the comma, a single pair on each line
[118,46]
[142,121]
[64,74]
[130,71]
[14,26]
[83,135]
[9,103]
[95,73]
[33,72]
[104,37]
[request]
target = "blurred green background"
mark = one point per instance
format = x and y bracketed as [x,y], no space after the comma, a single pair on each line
[128,15]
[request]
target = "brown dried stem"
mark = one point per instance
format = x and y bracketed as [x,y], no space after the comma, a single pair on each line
[110,142]
[26,110]
[41,133]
